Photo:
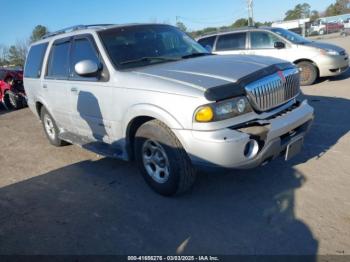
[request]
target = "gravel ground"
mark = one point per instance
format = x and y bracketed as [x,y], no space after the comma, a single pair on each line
[69,201]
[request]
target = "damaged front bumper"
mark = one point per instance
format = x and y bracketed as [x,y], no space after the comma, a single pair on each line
[252,144]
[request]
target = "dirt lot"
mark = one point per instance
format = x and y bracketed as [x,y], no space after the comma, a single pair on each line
[69,201]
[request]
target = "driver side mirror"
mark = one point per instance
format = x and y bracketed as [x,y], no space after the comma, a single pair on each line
[279,45]
[87,68]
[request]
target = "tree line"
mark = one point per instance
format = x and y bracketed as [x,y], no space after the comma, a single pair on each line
[15,55]
[298,12]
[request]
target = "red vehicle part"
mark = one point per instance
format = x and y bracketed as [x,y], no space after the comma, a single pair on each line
[12,94]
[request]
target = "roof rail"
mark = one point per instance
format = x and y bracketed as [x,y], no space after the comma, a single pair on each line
[226,30]
[73,28]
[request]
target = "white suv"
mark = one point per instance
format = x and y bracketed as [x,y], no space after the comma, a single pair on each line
[315,59]
[151,93]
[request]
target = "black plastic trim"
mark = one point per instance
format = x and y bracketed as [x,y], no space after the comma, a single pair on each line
[238,88]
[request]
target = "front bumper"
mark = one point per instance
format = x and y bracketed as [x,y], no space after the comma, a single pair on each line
[333,65]
[225,148]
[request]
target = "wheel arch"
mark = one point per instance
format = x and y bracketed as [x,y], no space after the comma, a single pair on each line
[140,114]
[310,61]
[39,104]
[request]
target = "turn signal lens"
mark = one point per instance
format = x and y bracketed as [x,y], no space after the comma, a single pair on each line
[204,114]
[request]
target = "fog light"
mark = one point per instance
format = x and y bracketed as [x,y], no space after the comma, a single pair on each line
[251,149]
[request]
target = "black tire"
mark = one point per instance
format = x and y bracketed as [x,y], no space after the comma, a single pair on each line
[181,174]
[308,73]
[13,101]
[51,136]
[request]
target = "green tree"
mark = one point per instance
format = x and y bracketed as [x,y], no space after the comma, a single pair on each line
[38,32]
[314,15]
[3,55]
[240,23]
[338,8]
[17,53]
[181,26]
[299,11]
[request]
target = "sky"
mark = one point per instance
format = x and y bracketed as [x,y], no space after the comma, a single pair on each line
[18,23]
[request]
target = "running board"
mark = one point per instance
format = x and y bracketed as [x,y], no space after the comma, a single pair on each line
[97,147]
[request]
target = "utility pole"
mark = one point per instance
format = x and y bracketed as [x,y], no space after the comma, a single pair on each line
[250,13]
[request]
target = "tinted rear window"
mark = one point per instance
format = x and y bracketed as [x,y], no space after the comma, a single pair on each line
[35,61]
[209,41]
[58,64]
[231,42]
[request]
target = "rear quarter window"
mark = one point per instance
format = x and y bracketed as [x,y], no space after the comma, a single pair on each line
[35,61]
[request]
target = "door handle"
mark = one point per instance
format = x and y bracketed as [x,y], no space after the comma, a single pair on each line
[44,86]
[74,89]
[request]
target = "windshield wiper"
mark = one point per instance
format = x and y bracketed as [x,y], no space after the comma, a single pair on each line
[149,59]
[195,55]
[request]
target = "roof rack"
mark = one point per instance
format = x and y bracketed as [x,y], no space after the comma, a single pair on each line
[73,28]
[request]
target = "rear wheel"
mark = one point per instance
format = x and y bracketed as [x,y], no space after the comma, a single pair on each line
[308,73]
[51,129]
[162,160]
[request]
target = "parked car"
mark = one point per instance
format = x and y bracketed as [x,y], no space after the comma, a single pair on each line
[151,93]
[12,93]
[322,27]
[346,30]
[315,59]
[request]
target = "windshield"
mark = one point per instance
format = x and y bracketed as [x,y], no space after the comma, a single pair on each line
[143,45]
[291,36]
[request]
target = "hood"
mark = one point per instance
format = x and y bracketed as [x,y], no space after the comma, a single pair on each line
[208,71]
[323,46]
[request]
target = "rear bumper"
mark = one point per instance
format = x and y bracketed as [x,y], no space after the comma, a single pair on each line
[226,148]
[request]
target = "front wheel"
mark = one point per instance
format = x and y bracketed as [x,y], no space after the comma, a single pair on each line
[162,160]
[308,73]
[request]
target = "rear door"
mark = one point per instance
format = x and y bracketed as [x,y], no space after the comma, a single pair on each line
[233,43]
[55,84]
[90,96]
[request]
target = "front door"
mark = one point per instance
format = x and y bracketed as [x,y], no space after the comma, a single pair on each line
[263,43]
[90,96]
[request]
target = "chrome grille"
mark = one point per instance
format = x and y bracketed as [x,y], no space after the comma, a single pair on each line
[274,90]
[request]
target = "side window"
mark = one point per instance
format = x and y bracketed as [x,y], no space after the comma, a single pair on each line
[58,62]
[263,40]
[234,41]
[209,41]
[35,61]
[83,50]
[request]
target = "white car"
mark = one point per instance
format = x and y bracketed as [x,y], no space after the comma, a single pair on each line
[314,59]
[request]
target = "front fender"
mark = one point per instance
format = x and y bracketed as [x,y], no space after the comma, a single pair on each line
[150,111]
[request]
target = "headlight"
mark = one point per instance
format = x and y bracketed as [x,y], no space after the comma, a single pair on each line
[329,52]
[223,110]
